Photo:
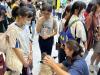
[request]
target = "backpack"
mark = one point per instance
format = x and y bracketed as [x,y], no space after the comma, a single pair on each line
[66,34]
[4,39]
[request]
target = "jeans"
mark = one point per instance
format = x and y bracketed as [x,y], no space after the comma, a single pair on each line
[33,28]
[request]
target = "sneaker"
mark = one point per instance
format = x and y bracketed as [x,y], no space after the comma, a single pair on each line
[91,68]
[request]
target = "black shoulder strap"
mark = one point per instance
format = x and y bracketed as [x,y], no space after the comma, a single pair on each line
[71,24]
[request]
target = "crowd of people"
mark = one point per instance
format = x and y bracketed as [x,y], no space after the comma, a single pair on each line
[79,32]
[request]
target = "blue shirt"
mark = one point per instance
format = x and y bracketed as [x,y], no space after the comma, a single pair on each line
[78,67]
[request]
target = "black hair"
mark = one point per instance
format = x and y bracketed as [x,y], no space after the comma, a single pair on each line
[30,14]
[1,0]
[94,8]
[98,2]
[68,8]
[76,5]
[22,3]
[13,1]
[20,11]
[29,0]
[9,4]
[73,45]
[82,5]
[14,11]
[89,7]
[46,7]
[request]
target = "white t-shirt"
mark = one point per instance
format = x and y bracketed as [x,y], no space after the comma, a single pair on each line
[48,26]
[18,39]
[61,26]
[80,31]
[21,36]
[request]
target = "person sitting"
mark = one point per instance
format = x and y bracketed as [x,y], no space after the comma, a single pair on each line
[74,64]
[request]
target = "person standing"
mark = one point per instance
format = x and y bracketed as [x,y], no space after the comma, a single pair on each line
[19,53]
[47,28]
[62,27]
[77,28]
[96,44]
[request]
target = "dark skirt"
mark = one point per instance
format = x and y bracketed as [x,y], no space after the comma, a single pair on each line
[46,45]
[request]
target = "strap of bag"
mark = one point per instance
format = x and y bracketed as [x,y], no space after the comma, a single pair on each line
[71,24]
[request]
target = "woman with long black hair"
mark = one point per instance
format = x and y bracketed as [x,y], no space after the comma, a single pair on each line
[62,27]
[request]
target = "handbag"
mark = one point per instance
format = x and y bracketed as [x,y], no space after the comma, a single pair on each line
[4,39]
[66,35]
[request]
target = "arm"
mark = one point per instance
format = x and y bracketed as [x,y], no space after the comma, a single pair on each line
[54,29]
[20,56]
[39,24]
[56,67]
[15,45]
[30,55]
[54,33]
[58,70]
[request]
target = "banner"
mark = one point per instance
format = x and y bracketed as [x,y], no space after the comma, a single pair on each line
[58,4]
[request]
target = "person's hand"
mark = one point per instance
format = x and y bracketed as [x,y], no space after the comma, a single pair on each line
[30,59]
[42,19]
[48,60]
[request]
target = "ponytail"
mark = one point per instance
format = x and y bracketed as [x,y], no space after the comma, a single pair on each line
[15,12]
